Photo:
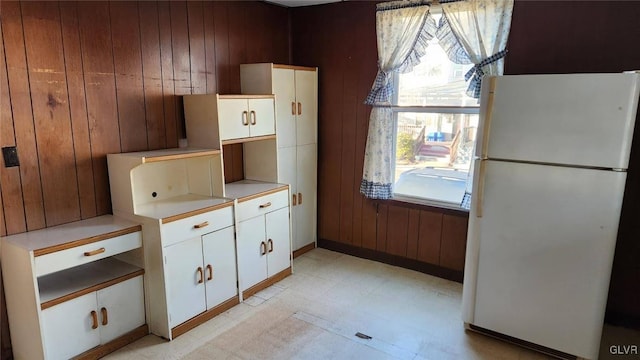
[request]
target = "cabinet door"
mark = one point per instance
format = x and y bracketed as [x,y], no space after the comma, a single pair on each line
[306,97]
[252,259]
[219,253]
[278,241]
[184,277]
[123,305]
[304,220]
[286,108]
[233,117]
[262,117]
[67,327]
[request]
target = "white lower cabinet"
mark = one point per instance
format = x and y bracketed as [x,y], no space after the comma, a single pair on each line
[200,274]
[85,322]
[264,247]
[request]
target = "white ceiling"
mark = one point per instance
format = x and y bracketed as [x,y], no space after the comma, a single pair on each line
[296,3]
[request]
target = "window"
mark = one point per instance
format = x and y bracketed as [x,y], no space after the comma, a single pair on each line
[436,126]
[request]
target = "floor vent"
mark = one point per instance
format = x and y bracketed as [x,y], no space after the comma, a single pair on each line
[523,343]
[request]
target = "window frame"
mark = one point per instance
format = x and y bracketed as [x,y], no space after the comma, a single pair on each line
[396,109]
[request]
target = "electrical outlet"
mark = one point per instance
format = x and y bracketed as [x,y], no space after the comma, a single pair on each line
[10,155]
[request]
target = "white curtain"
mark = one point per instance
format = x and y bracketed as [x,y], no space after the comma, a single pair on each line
[475,31]
[478,29]
[403,29]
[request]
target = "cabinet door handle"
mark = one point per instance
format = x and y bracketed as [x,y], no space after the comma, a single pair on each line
[252,116]
[293,108]
[295,199]
[299,198]
[245,120]
[210,269]
[94,319]
[200,275]
[105,316]
[299,109]
[266,205]
[270,245]
[201,225]
[263,248]
[94,252]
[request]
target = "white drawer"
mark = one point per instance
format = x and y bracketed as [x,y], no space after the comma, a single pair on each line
[263,204]
[196,225]
[68,258]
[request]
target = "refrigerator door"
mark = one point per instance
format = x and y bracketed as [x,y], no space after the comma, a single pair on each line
[574,119]
[543,250]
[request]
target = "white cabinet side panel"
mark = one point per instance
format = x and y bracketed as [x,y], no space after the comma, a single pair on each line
[305,211]
[260,161]
[546,242]
[200,116]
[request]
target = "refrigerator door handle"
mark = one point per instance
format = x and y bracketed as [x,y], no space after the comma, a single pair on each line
[480,191]
[487,117]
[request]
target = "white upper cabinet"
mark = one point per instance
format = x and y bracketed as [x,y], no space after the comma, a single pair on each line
[214,119]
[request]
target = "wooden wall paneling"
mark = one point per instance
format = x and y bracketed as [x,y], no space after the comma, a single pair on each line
[366,70]
[168,83]
[181,59]
[78,108]
[221,26]
[195,14]
[233,162]
[413,233]
[25,140]
[369,223]
[257,33]
[3,226]
[152,74]
[454,242]
[280,37]
[429,237]
[381,227]
[238,24]
[100,88]
[51,118]
[397,230]
[349,65]
[13,215]
[127,60]
[210,48]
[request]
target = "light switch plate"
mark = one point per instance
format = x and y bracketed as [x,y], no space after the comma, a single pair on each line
[10,155]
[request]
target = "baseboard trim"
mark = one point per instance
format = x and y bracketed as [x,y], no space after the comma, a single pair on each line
[115,344]
[435,270]
[204,317]
[304,249]
[266,283]
[622,320]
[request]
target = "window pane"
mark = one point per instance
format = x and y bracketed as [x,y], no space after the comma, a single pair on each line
[433,155]
[436,81]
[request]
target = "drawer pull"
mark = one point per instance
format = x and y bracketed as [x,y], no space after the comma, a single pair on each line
[245,120]
[94,252]
[270,245]
[200,275]
[265,205]
[295,200]
[293,108]
[299,109]
[94,319]
[201,225]
[210,269]
[263,248]
[105,318]
[252,116]
[299,198]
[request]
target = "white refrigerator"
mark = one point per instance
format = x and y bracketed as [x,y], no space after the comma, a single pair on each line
[548,183]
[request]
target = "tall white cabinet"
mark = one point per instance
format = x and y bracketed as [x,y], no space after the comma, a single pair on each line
[295,90]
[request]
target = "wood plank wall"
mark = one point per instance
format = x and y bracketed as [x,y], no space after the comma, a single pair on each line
[546,37]
[81,79]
